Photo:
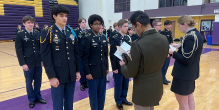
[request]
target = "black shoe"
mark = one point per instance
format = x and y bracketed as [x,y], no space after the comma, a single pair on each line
[86,86]
[31,104]
[119,106]
[82,87]
[42,101]
[168,81]
[127,103]
[164,82]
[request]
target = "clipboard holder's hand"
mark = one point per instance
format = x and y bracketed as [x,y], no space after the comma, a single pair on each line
[125,58]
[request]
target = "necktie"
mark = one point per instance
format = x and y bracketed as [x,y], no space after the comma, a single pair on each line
[31,34]
[84,31]
[63,31]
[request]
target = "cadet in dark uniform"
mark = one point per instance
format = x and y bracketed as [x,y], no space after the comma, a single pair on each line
[109,31]
[37,27]
[104,30]
[101,32]
[60,55]
[116,30]
[187,62]
[27,46]
[95,61]
[121,83]
[18,29]
[168,34]
[80,32]
[132,35]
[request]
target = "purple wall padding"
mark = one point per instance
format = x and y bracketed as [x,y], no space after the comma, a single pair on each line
[14,14]
[215,34]
[73,16]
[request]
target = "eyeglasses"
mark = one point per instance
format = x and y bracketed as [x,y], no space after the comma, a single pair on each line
[97,24]
[159,25]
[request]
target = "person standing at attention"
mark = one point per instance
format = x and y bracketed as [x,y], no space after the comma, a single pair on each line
[80,33]
[167,32]
[95,62]
[27,46]
[61,59]
[121,83]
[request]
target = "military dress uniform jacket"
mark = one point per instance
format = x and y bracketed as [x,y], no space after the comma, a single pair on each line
[95,55]
[148,55]
[134,37]
[60,54]
[168,34]
[187,67]
[109,31]
[28,48]
[112,34]
[18,30]
[116,40]
[80,35]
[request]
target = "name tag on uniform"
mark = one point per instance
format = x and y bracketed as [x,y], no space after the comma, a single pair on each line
[79,36]
[26,38]
[72,37]
[94,44]
[56,47]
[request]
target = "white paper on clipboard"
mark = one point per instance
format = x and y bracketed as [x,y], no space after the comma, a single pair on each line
[124,48]
[173,47]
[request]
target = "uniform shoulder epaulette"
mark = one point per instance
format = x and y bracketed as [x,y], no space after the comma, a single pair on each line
[115,35]
[36,31]
[20,31]
[191,33]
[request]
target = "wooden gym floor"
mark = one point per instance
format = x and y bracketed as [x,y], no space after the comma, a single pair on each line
[13,92]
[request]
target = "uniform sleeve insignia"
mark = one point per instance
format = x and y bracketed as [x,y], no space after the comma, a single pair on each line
[115,35]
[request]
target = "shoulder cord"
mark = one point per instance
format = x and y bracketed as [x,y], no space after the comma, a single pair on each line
[73,32]
[195,41]
[50,31]
[130,38]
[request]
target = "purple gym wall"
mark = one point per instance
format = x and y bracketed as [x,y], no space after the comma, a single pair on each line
[13,15]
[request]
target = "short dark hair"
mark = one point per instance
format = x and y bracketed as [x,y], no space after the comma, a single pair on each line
[93,18]
[81,19]
[27,18]
[59,9]
[121,22]
[167,22]
[141,17]
[130,28]
[36,23]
